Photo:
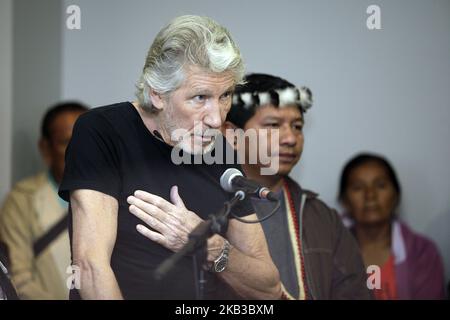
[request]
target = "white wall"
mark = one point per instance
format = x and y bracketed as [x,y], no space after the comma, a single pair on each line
[385,90]
[37,65]
[5,95]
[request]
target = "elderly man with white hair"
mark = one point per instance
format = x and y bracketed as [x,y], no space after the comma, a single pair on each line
[132,206]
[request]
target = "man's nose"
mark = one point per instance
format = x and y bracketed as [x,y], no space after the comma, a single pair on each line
[287,136]
[213,118]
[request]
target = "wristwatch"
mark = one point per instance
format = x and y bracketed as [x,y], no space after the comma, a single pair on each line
[221,261]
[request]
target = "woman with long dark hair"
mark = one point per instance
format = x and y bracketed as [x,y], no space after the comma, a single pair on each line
[410,265]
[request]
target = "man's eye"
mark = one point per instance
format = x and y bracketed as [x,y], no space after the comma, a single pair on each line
[271,125]
[199,98]
[298,127]
[227,95]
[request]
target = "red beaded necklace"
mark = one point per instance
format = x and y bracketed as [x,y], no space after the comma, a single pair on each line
[297,246]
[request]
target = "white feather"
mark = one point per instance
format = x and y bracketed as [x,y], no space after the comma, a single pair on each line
[235,99]
[264,98]
[246,97]
[287,96]
[305,98]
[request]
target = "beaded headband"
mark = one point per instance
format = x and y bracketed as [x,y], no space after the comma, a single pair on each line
[278,97]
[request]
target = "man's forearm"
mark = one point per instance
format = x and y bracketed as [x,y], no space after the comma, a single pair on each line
[250,277]
[98,282]
[93,239]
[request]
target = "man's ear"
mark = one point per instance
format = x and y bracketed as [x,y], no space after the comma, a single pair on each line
[157,99]
[229,125]
[44,148]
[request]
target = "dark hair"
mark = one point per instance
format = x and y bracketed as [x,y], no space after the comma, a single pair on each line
[256,83]
[56,110]
[361,159]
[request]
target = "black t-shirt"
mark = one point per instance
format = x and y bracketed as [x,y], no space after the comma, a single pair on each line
[113,152]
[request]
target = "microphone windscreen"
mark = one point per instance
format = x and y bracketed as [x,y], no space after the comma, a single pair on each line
[227,178]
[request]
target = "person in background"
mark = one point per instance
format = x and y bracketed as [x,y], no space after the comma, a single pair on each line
[33,219]
[410,265]
[315,254]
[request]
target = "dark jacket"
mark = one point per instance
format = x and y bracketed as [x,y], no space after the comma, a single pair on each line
[7,290]
[333,265]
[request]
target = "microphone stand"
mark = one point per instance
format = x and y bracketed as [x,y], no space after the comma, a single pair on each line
[196,245]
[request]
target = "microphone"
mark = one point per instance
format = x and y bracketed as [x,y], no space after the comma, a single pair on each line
[232,180]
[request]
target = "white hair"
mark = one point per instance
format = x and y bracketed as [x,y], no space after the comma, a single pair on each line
[187,41]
